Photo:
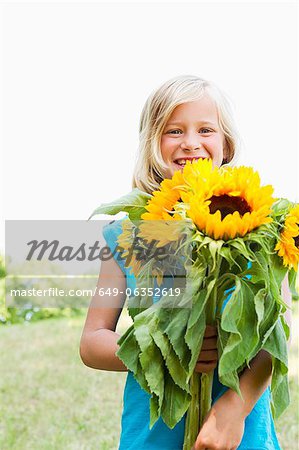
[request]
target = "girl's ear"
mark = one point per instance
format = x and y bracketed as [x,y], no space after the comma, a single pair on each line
[225,159]
[225,152]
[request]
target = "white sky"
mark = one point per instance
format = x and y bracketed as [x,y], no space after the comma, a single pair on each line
[76,76]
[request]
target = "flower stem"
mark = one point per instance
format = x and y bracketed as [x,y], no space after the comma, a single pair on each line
[206,381]
[201,383]
[206,384]
[192,419]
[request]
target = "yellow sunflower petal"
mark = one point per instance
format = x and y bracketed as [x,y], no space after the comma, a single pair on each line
[288,244]
[235,193]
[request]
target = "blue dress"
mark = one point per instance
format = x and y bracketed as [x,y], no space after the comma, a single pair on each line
[259,433]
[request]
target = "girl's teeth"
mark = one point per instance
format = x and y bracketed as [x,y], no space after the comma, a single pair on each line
[182,162]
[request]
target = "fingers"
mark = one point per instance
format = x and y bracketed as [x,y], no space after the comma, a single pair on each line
[210,331]
[208,355]
[205,367]
[209,343]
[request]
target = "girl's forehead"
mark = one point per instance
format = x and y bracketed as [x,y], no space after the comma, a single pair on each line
[202,109]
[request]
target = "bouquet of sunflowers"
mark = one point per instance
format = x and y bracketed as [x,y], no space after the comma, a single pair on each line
[234,244]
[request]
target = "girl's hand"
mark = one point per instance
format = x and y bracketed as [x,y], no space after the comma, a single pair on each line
[223,426]
[208,356]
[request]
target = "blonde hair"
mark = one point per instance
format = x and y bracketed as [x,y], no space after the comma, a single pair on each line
[149,167]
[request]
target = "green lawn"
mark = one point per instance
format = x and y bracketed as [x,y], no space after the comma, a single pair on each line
[50,400]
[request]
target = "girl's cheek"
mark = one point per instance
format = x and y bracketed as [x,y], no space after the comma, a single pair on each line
[164,142]
[168,140]
[168,144]
[216,144]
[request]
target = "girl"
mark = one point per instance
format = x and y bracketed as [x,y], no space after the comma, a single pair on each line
[186,118]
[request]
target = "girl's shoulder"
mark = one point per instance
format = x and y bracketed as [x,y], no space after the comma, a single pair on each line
[111,232]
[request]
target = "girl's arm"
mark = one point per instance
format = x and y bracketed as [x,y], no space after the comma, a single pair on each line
[224,424]
[99,340]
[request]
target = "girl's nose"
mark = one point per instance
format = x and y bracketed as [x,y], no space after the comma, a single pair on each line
[191,143]
[191,147]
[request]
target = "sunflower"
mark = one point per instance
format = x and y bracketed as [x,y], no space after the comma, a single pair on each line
[230,203]
[288,244]
[162,205]
[126,240]
[162,231]
[222,203]
[170,201]
[139,243]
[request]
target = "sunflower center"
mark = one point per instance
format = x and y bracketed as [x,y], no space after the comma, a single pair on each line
[228,205]
[296,239]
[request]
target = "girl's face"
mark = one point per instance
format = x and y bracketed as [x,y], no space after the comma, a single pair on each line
[191,132]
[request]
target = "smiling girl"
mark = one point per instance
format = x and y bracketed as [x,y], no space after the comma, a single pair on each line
[186,118]
[192,132]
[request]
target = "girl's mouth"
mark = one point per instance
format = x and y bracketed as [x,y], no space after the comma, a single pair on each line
[181,162]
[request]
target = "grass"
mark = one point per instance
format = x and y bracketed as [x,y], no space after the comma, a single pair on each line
[50,400]
[287,425]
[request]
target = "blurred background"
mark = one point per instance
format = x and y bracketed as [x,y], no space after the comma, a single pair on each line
[75,77]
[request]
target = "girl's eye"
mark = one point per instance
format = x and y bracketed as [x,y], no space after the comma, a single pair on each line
[202,130]
[206,130]
[173,131]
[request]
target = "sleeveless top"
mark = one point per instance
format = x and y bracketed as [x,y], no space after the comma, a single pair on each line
[259,432]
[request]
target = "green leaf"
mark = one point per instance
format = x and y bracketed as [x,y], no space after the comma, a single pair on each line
[132,203]
[176,371]
[277,268]
[154,410]
[259,303]
[197,324]
[292,278]
[195,275]
[199,303]
[174,325]
[285,326]
[193,339]
[140,378]
[129,350]
[231,380]
[275,277]
[281,207]
[276,346]
[250,331]
[150,357]
[239,244]
[226,253]
[215,247]
[240,320]
[175,404]
[259,269]
[222,339]
[271,315]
